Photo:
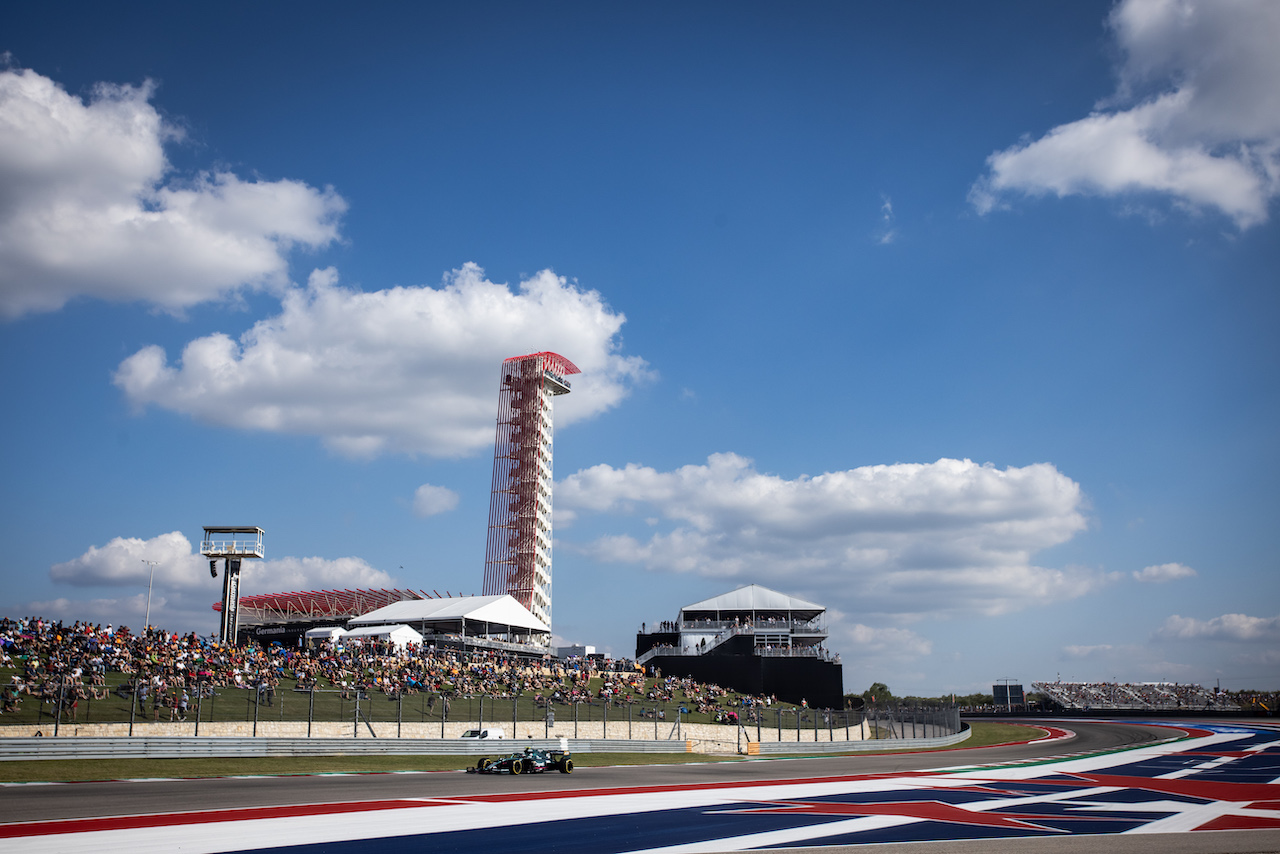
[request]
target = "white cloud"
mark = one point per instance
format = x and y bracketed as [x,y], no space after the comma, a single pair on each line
[430,500]
[1196,116]
[408,369]
[858,640]
[1164,572]
[183,592]
[310,573]
[1229,627]
[887,233]
[91,209]
[123,562]
[1078,651]
[903,539]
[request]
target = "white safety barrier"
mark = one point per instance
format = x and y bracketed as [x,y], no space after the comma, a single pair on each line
[875,745]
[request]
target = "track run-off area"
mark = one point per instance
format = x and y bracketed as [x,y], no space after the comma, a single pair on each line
[1211,786]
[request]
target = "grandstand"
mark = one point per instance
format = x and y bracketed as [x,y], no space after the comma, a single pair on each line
[1143,696]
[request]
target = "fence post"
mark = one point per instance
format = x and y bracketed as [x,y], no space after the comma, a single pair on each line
[257,701]
[355,717]
[399,710]
[515,715]
[199,700]
[480,723]
[311,708]
[62,699]
[606,719]
[575,718]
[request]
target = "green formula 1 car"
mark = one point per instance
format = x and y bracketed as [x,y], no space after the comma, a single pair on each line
[530,761]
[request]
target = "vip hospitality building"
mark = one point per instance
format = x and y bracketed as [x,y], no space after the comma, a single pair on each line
[752,639]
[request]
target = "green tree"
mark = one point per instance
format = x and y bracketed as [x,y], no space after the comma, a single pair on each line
[878,693]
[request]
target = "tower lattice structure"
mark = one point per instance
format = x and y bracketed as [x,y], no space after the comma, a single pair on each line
[518,552]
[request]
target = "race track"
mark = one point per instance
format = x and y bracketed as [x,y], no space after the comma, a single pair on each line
[1109,778]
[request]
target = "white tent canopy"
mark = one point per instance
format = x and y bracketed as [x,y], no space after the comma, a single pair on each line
[753,599]
[324,633]
[400,635]
[466,615]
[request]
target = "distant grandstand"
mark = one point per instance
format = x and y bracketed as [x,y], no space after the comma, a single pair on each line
[286,617]
[1145,696]
[455,622]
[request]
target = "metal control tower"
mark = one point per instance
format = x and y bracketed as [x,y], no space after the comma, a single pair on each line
[518,551]
[232,544]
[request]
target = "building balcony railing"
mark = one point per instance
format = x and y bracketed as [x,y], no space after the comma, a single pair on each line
[802,626]
[797,652]
[231,547]
[763,652]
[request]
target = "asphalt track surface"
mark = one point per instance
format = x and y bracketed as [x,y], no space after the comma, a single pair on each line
[1125,787]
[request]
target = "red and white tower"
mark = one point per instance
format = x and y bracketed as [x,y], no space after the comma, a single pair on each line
[518,552]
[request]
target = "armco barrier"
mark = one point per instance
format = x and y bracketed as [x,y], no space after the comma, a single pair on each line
[190,748]
[809,748]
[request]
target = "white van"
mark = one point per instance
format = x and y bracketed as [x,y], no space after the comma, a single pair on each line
[483,733]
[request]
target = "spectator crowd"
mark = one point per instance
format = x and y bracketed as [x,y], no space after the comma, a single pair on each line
[64,665]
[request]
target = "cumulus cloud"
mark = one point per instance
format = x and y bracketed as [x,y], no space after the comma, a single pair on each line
[311,573]
[881,642]
[429,500]
[1228,627]
[903,539]
[1163,572]
[124,562]
[408,369]
[1196,116]
[183,592]
[90,207]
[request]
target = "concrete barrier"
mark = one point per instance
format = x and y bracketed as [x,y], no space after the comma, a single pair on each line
[192,748]
[875,745]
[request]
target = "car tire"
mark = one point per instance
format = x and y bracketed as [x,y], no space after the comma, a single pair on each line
[517,767]
[566,766]
[480,763]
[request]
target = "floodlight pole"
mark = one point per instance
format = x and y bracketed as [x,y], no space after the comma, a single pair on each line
[147,620]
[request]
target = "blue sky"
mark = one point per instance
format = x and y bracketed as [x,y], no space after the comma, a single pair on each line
[957,318]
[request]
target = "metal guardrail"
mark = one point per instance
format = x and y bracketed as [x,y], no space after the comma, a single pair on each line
[190,748]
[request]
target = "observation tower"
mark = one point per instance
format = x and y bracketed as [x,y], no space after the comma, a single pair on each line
[233,544]
[518,551]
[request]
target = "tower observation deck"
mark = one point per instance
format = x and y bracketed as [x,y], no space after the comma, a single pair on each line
[518,550]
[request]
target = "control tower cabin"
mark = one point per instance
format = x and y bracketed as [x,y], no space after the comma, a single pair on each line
[518,551]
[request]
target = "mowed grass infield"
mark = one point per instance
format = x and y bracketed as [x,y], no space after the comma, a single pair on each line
[985,734]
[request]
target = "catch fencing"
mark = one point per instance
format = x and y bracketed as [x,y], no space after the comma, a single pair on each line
[356,714]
